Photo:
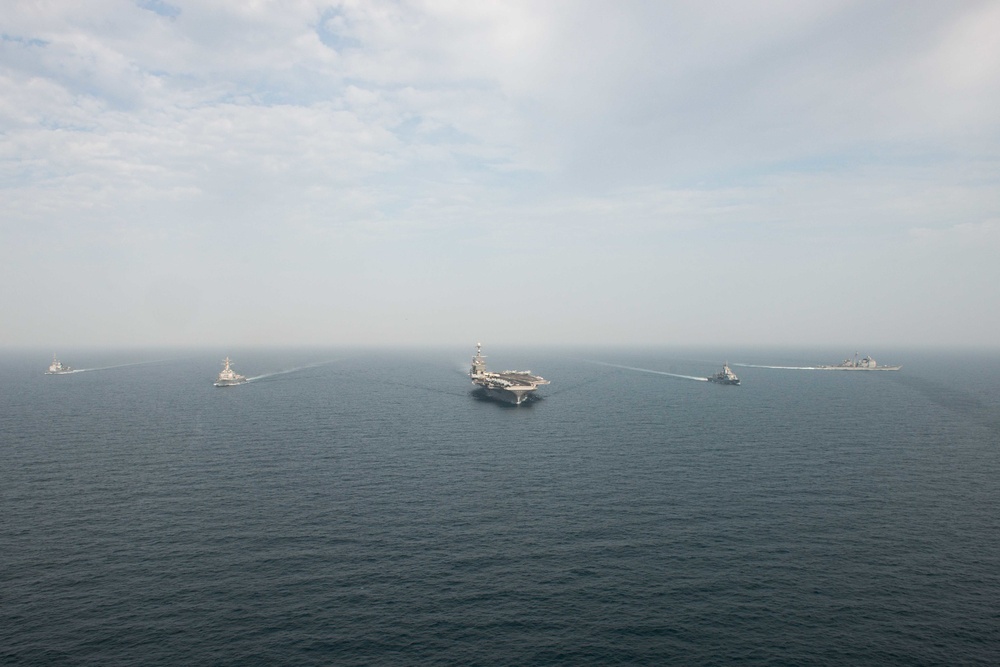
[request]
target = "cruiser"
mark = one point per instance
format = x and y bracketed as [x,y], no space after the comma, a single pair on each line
[228,377]
[514,387]
[57,368]
[725,376]
[859,364]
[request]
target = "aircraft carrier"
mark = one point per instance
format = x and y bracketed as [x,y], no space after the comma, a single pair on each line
[513,387]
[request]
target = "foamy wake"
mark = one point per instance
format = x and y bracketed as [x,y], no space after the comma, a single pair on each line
[108,368]
[290,370]
[647,370]
[781,368]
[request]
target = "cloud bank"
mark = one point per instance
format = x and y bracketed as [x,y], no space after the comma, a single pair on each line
[445,171]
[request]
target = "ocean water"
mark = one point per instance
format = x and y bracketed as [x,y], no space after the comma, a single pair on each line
[361,507]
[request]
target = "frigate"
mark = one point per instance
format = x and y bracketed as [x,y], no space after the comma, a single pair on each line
[859,364]
[56,367]
[725,376]
[514,387]
[228,377]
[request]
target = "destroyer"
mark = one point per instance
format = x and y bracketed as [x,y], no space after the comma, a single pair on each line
[725,376]
[56,368]
[859,364]
[508,386]
[228,377]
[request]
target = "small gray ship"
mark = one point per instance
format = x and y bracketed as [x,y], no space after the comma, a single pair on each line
[859,364]
[725,376]
[514,387]
[57,368]
[228,377]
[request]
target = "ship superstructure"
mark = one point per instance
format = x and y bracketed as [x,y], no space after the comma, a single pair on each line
[725,376]
[513,387]
[228,377]
[859,364]
[56,367]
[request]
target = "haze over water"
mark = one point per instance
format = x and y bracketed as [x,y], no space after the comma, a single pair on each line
[371,511]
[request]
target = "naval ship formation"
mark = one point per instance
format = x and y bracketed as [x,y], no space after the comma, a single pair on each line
[517,387]
[859,364]
[508,386]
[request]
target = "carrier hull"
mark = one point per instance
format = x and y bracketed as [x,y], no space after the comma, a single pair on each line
[506,396]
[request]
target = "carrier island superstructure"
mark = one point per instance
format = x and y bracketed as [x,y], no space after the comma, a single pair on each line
[508,386]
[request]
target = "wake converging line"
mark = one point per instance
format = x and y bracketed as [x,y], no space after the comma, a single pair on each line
[108,368]
[782,368]
[291,370]
[647,370]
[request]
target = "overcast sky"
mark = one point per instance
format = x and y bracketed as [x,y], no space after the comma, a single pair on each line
[238,172]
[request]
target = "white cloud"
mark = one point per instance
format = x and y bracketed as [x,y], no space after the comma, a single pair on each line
[607,151]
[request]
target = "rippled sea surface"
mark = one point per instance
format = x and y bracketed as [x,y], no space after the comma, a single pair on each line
[371,511]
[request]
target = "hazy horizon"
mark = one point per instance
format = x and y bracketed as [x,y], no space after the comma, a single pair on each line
[432,173]
[883,353]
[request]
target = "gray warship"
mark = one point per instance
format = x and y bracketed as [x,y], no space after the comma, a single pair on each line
[228,377]
[513,387]
[725,376]
[859,364]
[56,367]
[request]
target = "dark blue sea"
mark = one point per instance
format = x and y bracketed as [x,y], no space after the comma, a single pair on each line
[371,511]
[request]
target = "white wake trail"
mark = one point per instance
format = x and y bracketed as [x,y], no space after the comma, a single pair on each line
[647,370]
[291,370]
[780,368]
[108,368]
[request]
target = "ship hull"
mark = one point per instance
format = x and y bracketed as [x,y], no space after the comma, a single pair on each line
[504,395]
[229,383]
[718,381]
